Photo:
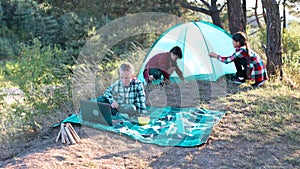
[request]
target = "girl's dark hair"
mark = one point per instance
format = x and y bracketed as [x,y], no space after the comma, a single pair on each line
[177,51]
[242,38]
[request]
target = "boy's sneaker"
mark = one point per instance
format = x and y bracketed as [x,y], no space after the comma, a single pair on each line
[258,84]
[239,81]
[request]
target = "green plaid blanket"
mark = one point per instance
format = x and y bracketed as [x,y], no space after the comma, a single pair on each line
[165,128]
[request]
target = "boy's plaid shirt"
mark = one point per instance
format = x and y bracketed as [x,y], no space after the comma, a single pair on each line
[135,94]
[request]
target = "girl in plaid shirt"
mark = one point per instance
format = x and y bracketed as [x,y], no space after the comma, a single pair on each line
[127,94]
[248,59]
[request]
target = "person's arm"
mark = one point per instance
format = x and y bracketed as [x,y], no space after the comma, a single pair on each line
[141,98]
[227,59]
[108,94]
[111,93]
[179,73]
[165,74]
[146,75]
[153,61]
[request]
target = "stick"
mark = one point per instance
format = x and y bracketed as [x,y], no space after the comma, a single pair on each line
[69,135]
[58,136]
[62,133]
[66,137]
[73,132]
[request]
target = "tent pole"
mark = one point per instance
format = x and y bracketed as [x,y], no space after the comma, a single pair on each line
[211,61]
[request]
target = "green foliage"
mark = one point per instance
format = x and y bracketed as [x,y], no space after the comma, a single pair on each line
[291,43]
[290,49]
[257,41]
[8,47]
[72,32]
[68,23]
[41,75]
[22,20]
[44,82]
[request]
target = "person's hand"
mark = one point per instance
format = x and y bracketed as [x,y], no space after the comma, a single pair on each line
[213,55]
[151,78]
[166,81]
[115,105]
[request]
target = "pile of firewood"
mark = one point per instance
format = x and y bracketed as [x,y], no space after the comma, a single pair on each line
[67,134]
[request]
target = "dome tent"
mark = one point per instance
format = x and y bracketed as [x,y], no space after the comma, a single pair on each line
[196,40]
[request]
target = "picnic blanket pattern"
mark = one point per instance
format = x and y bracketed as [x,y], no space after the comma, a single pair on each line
[169,126]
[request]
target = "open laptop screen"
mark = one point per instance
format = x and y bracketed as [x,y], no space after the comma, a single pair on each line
[96,112]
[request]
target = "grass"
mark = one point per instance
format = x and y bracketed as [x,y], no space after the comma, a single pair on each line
[267,111]
[269,114]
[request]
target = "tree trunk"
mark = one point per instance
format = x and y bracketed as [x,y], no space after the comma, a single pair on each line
[215,14]
[236,16]
[284,15]
[244,19]
[273,51]
[212,10]
[256,15]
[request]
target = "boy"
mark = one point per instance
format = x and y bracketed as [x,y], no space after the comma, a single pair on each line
[127,94]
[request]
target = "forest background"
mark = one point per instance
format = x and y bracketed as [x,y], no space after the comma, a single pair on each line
[41,39]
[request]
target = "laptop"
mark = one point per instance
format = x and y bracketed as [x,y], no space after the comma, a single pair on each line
[96,112]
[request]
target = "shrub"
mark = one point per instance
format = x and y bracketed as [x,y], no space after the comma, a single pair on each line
[290,49]
[43,77]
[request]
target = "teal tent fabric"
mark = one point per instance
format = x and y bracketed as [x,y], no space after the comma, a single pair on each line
[165,129]
[196,39]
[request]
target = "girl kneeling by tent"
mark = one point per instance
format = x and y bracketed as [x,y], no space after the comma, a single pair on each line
[253,66]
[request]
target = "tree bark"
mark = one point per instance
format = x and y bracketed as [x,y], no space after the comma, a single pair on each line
[256,15]
[236,16]
[273,51]
[215,13]
[284,15]
[212,10]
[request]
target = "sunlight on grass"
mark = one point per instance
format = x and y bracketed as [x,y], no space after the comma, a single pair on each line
[267,112]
